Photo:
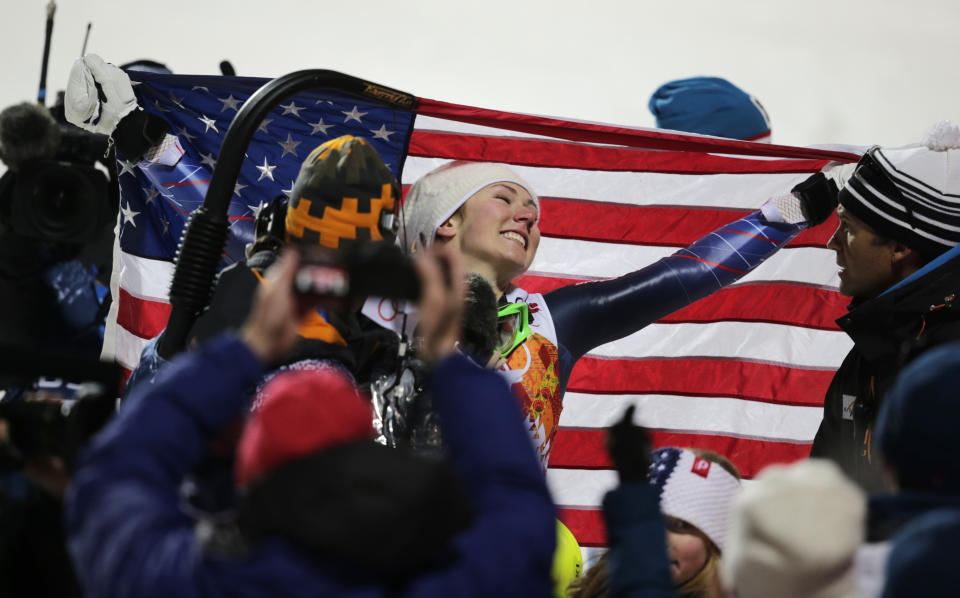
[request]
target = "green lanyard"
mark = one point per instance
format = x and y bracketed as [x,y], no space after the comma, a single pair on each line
[521,329]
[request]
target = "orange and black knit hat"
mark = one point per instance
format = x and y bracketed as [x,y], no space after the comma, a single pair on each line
[344,194]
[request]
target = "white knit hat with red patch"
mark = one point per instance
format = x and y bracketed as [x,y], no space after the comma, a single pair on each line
[438,194]
[695,490]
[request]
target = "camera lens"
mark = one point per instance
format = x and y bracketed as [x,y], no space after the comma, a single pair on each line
[60,200]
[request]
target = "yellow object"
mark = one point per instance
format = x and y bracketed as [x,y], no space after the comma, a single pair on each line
[567,561]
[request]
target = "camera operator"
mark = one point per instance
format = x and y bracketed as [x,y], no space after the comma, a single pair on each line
[341,533]
[341,206]
[58,403]
[55,232]
[33,551]
[55,239]
[319,221]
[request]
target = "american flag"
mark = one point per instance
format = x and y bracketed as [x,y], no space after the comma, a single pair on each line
[742,372]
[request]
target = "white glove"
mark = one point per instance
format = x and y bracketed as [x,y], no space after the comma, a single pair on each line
[84,107]
[840,172]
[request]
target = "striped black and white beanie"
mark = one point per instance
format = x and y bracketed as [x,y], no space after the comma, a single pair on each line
[695,490]
[912,193]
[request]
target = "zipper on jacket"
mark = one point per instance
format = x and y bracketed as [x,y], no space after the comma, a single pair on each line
[867,442]
[867,435]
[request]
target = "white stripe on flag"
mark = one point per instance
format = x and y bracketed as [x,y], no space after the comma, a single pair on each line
[584,488]
[128,347]
[714,415]
[146,278]
[108,350]
[432,123]
[752,341]
[580,487]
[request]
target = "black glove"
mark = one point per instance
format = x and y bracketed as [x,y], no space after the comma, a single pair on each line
[137,132]
[818,197]
[629,448]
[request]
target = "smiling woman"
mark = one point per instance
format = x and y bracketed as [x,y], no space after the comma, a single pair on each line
[488,214]
[496,232]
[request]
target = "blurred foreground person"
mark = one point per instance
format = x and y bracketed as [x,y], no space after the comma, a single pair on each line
[899,218]
[919,523]
[324,510]
[796,532]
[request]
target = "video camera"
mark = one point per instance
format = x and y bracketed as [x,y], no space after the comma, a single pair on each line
[357,272]
[52,190]
[57,404]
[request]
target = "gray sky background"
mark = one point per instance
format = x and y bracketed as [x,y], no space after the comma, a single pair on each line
[828,71]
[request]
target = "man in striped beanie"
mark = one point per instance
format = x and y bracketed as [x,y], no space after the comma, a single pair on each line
[899,223]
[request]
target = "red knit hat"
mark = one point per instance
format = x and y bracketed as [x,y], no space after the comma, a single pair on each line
[299,413]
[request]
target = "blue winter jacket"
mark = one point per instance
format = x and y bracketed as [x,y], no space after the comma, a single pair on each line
[130,538]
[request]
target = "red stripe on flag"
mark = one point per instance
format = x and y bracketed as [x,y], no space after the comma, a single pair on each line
[558,154]
[762,382]
[650,225]
[586,525]
[141,317]
[598,133]
[791,304]
[124,376]
[775,303]
[586,449]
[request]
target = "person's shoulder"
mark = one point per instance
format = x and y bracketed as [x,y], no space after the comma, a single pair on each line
[848,368]
[939,332]
[921,555]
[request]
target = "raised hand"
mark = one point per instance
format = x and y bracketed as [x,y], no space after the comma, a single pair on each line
[629,448]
